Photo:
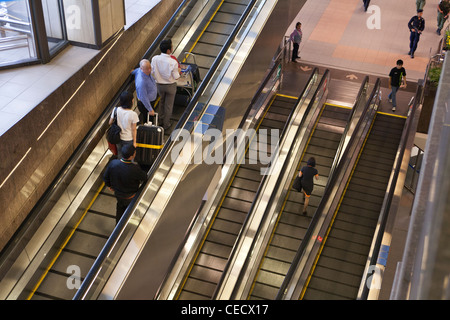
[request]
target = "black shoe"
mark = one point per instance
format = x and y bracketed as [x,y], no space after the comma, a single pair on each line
[438,31]
[305,213]
[409,53]
[412,55]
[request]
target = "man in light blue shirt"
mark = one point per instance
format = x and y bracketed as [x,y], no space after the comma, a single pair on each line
[145,89]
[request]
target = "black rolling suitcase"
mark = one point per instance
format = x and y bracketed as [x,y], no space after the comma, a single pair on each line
[149,142]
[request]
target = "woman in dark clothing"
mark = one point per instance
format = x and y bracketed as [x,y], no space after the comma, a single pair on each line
[307,173]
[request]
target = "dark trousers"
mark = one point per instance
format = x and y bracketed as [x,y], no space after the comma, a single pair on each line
[413,41]
[295,51]
[143,112]
[167,93]
[366,4]
[121,206]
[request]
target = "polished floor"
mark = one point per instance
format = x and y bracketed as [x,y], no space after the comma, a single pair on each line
[338,33]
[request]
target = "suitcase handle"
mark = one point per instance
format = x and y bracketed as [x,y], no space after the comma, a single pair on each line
[148,120]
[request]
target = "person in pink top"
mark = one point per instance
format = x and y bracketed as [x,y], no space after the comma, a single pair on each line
[296,38]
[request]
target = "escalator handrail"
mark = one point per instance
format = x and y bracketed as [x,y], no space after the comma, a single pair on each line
[241,125]
[327,194]
[384,212]
[340,148]
[118,230]
[262,183]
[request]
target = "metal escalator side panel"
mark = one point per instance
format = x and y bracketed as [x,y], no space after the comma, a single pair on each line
[164,170]
[238,204]
[291,225]
[243,262]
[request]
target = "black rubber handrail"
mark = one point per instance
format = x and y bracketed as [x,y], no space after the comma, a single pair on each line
[90,277]
[327,194]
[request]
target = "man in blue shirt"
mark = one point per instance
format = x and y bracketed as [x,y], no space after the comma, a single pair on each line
[145,89]
[416,26]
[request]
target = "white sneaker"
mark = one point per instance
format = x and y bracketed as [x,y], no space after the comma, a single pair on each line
[390,100]
[393,108]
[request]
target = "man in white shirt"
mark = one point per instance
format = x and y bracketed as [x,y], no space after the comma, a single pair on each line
[165,71]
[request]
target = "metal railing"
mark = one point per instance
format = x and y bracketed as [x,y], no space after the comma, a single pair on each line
[20,37]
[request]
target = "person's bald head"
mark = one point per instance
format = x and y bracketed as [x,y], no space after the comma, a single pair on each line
[145,66]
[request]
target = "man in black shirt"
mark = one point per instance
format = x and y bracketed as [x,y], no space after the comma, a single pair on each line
[124,177]
[397,79]
[416,26]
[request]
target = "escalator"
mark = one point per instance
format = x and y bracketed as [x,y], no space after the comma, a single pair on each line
[216,33]
[212,257]
[72,251]
[292,224]
[203,48]
[339,269]
[79,249]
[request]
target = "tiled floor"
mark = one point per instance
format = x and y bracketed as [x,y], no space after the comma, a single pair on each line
[22,89]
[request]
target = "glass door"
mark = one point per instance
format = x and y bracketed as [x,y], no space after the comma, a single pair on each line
[54,26]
